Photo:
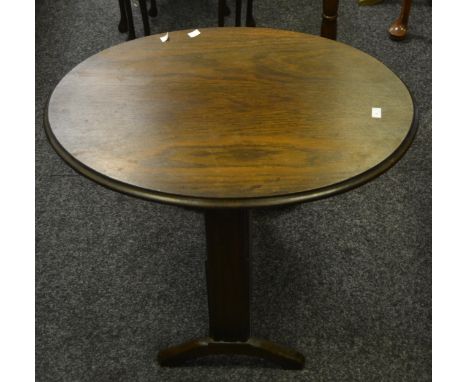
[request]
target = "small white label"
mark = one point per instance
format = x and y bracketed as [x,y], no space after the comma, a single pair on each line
[194,33]
[165,37]
[376,112]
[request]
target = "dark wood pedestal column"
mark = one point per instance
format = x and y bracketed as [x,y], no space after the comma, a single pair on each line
[227,274]
[228,284]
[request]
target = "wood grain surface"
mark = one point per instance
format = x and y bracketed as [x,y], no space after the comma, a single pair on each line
[236,114]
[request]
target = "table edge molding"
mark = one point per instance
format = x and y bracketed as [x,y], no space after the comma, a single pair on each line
[251,202]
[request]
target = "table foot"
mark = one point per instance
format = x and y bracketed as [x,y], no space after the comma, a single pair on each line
[283,356]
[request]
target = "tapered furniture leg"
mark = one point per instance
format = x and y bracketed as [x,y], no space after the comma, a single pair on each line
[221,10]
[153,11]
[249,20]
[129,13]
[144,17]
[228,285]
[329,17]
[123,27]
[238,12]
[399,27]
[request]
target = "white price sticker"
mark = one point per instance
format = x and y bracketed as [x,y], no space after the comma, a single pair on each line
[376,112]
[194,33]
[165,37]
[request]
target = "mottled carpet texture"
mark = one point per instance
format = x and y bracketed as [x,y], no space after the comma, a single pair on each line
[345,280]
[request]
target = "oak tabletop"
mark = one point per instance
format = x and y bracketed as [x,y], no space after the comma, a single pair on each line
[235,117]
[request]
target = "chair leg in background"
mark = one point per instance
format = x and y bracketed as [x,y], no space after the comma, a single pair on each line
[123,26]
[249,20]
[144,16]
[329,16]
[221,10]
[399,27]
[129,13]
[238,12]
[153,11]
[227,11]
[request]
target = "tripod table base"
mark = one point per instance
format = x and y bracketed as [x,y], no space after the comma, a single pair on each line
[283,356]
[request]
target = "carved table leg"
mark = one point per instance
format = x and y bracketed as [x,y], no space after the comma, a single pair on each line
[399,27]
[228,284]
[329,16]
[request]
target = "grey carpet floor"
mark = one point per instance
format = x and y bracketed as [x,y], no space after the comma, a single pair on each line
[345,280]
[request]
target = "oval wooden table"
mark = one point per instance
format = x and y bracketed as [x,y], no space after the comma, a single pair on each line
[232,119]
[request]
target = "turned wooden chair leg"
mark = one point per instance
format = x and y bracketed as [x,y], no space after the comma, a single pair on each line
[144,16]
[153,11]
[227,11]
[129,14]
[238,12]
[329,17]
[221,9]
[123,26]
[399,27]
[249,20]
